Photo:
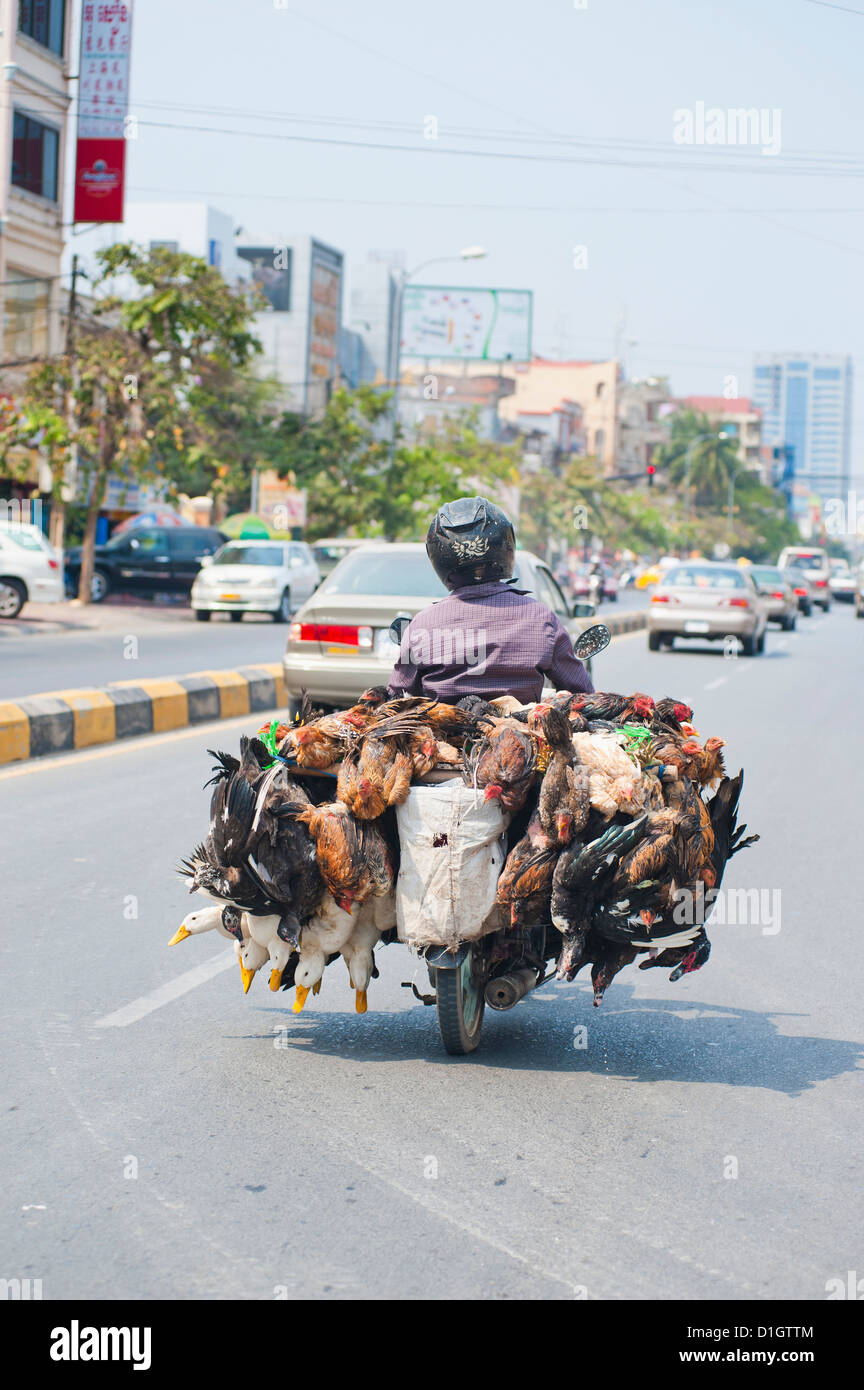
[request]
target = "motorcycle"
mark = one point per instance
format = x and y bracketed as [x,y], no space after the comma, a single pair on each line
[499,969]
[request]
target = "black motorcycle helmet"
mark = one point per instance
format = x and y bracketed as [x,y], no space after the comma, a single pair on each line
[471,541]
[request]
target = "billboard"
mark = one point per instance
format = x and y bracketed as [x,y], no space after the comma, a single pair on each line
[325,293]
[103,104]
[271,272]
[447,321]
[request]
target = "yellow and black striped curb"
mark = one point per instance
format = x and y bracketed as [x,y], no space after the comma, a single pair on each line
[627,622]
[64,720]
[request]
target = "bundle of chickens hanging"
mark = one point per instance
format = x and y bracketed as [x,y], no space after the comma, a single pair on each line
[617,835]
[298,878]
[621,851]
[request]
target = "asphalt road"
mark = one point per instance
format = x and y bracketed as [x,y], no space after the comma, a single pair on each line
[705,1144]
[135,644]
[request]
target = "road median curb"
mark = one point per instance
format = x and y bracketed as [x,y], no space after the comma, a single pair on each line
[625,622]
[62,721]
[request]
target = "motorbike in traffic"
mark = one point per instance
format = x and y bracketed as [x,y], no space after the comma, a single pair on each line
[503,967]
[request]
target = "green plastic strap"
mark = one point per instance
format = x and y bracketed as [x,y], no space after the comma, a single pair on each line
[636,733]
[269,740]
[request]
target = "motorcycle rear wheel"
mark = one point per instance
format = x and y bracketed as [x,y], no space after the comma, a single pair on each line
[461,1004]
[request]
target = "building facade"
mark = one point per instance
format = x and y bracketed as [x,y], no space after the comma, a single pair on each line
[34,63]
[644,408]
[301,330]
[806,404]
[543,385]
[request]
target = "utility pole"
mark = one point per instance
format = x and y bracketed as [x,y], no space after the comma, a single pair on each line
[70,472]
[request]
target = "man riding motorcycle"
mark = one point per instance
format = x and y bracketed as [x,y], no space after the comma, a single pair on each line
[487,638]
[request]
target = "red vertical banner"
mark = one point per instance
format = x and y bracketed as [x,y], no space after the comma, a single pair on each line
[103,105]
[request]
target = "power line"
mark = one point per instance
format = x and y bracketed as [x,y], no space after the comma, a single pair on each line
[480,207]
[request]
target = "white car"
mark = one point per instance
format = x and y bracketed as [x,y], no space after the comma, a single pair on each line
[29,569]
[255,577]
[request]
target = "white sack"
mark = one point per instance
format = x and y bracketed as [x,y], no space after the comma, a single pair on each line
[452,851]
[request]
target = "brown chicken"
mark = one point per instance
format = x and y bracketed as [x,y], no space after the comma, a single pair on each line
[502,765]
[424,750]
[352,855]
[564,803]
[362,797]
[525,883]
[709,763]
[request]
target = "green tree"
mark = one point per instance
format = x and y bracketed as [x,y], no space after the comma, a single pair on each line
[712,460]
[578,503]
[152,361]
[358,483]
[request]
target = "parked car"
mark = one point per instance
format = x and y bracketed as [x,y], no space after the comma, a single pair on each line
[339,642]
[842,581]
[29,569]
[815,561]
[255,577]
[777,594]
[859,591]
[801,587]
[703,598]
[328,552]
[146,560]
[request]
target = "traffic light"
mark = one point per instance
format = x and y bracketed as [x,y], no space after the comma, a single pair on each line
[650,470]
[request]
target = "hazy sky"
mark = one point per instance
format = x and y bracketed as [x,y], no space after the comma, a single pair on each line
[701,253]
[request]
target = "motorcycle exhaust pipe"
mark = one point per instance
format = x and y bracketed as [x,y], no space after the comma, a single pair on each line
[506,990]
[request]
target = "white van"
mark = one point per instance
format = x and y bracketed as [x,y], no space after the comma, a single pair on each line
[815,562]
[29,569]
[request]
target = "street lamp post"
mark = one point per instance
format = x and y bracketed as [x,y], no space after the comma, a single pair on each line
[733,478]
[470,253]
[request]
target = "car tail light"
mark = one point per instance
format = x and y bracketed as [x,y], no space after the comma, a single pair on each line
[52,565]
[365,638]
[736,603]
[663,598]
[801,593]
[821,583]
[779,594]
[334,633]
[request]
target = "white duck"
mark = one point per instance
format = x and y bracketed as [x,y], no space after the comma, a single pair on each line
[205,919]
[375,916]
[326,933]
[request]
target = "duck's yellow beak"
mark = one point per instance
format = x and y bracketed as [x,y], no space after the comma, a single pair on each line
[247,977]
[301,997]
[360,1002]
[180,935]
[275,979]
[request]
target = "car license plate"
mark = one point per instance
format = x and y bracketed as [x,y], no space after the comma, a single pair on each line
[694,626]
[230,598]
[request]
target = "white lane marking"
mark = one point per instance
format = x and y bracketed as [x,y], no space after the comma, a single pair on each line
[712,685]
[165,994]
[135,745]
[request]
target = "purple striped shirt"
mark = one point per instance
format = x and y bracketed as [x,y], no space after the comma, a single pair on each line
[488,640]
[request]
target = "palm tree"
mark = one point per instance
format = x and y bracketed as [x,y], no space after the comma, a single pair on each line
[713,457]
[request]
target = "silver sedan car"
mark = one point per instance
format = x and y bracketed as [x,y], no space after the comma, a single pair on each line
[710,601]
[778,595]
[339,643]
